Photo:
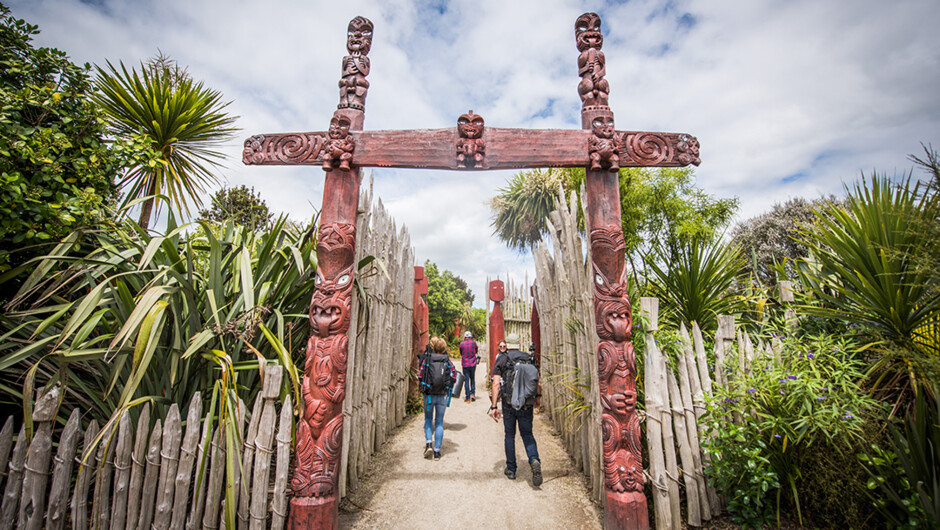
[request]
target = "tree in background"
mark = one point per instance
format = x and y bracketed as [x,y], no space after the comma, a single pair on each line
[661,207]
[448,299]
[183,120]
[241,205]
[772,238]
[56,169]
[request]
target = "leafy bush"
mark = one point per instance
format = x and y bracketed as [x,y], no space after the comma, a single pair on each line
[741,470]
[810,397]
[56,170]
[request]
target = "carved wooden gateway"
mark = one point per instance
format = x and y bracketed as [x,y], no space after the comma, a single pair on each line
[469,145]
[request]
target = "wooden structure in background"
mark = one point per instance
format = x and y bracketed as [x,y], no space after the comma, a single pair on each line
[495,322]
[345,148]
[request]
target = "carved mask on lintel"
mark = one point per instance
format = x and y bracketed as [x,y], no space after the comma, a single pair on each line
[359,36]
[470,125]
[603,126]
[587,31]
[339,126]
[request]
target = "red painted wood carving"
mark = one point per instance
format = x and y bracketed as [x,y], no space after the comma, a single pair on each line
[593,88]
[353,86]
[345,148]
[339,149]
[471,147]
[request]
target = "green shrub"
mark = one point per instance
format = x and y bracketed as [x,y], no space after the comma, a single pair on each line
[808,399]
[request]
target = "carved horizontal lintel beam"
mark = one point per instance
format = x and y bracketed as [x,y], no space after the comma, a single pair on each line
[505,148]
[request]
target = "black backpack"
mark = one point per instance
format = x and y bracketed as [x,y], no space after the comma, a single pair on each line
[515,358]
[436,380]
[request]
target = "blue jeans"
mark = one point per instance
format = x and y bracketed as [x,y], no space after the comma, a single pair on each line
[523,417]
[434,407]
[470,384]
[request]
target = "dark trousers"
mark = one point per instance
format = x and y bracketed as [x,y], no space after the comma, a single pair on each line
[523,418]
[469,381]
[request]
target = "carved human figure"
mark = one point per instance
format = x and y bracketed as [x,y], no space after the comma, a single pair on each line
[353,84]
[616,362]
[340,146]
[320,431]
[593,88]
[604,144]
[471,148]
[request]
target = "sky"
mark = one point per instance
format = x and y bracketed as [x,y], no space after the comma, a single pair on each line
[788,98]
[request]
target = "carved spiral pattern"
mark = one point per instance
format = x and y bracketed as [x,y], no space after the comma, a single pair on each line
[647,148]
[296,148]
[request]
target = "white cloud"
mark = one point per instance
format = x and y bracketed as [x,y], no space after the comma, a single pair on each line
[787,98]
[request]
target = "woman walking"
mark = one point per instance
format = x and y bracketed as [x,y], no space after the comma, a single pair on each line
[437,376]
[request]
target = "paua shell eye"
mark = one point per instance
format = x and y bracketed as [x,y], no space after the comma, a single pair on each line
[343,280]
[318,280]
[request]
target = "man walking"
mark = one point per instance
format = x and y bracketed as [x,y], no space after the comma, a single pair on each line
[503,370]
[469,357]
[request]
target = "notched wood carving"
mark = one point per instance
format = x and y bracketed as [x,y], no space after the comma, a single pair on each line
[353,86]
[593,87]
[604,144]
[339,148]
[471,148]
[283,149]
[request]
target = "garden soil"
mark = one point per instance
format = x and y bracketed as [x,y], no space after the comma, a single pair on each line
[466,488]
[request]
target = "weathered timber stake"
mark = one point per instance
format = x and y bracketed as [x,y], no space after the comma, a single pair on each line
[151,476]
[169,462]
[282,465]
[201,479]
[62,473]
[86,469]
[33,498]
[263,440]
[184,470]
[138,463]
[122,475]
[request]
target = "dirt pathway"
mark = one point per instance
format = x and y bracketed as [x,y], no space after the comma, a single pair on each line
[466,488]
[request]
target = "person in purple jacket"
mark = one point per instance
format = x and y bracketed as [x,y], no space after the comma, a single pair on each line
[469,357]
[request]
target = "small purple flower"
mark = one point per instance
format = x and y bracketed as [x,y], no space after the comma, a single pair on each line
[848,416]
[791,377]
[782,392]
[826,388]
[751,390]
[777,436]
[820,398]
[782,380]
[727,400]
[810,356]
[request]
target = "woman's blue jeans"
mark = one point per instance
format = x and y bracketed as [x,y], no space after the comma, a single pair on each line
[434,407]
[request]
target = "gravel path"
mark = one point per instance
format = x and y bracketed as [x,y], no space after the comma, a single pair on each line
[466,488]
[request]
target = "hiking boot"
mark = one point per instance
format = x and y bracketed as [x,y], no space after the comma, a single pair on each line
[510,474]
[473,398]
[437,455]
[536,472]
[428,449]
[466,400]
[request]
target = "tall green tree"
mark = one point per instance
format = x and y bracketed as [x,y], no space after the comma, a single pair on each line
[661,207]
[772,238]
[56,169]
[185,122]
[448,300]
[241,205]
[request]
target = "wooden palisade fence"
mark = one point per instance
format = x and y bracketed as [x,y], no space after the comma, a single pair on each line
[170,472]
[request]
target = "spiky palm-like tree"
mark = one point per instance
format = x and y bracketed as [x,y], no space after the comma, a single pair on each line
[521,208]
[184,122]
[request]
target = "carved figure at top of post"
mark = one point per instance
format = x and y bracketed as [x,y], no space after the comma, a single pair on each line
[604,144]
[340,146]
[593,88]
[470,144]
[353,85]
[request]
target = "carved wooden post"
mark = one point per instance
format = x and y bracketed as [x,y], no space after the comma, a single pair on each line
[536,331]
[497,324]
[320,431]
[419,326]
[625,505]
